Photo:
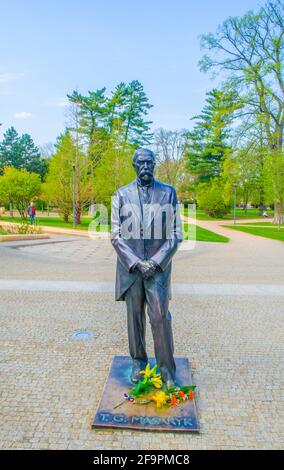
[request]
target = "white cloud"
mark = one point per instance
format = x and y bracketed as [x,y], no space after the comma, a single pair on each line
[8,77]
[23,115]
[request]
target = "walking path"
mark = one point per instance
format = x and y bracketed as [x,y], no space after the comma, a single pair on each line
[227,312]
[217,226]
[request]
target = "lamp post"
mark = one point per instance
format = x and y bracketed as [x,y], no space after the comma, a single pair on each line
[235,203]
[74,196]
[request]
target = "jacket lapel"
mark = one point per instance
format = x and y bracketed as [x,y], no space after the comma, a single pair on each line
[134,200]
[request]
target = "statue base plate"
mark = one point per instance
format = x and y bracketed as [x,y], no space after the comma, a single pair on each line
[179,418]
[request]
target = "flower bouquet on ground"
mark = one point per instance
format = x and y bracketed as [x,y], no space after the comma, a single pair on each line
[150,389]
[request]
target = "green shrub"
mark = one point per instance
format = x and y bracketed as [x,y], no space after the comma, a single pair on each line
[210,199]
[24,228]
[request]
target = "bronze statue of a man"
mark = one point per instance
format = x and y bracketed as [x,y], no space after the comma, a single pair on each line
[145,233]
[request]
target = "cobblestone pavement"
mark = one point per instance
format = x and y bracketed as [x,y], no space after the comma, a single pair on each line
[51,383]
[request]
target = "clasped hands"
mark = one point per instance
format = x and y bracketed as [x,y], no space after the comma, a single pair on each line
[147,268]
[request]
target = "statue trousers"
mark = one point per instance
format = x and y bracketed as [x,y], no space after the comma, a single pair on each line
[149,293]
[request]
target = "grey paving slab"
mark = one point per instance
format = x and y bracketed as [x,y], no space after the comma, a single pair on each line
[228,317]
[233,290]
[51,383]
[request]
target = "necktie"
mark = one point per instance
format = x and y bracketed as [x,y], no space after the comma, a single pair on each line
[146,210]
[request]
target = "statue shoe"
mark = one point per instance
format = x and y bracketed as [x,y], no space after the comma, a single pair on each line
[170,384]
[135,374]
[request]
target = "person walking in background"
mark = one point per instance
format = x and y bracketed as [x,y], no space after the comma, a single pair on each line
[32,213]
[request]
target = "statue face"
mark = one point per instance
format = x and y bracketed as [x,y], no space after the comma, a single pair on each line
[144,167]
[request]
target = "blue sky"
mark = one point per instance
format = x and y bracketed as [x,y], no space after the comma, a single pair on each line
[49,48]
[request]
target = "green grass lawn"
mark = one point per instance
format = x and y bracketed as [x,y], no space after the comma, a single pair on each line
[52,222]
[200,215]
[2,232]
[262,224]
[259,231]
[240,214]
[203,235]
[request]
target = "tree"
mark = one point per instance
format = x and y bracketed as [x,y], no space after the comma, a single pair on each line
[98,114]
[91,113]
[68,171]
[130,105]
[274,179]
[207,142]
[9,152]
[81,168]
[250,52]
[100,123]
[242,169]
[169,149]
[19,187]
[115,167]
[171,168]
[31,157]
[250,150]
[47,150]
[21,152]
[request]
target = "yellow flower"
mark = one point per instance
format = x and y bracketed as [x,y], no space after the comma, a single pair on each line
[148,373]
[160,398]
[156,381]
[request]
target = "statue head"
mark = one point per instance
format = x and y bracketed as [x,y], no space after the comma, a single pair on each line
[144,164]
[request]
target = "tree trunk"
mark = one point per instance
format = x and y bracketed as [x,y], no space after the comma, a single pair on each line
[261,207]
[11,209]
[66,217]
[78,212]
[278,187]
[245,202]
[23,214]
[278,213]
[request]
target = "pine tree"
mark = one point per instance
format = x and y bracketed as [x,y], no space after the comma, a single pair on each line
[132,106]
[21,152]
[99,114]
[92,112]
[207,142]
[9,149]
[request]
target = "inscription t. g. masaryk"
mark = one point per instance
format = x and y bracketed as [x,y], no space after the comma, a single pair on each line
[145,232]
[144,421]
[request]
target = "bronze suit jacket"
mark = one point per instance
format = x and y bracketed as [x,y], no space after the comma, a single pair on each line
[144,242]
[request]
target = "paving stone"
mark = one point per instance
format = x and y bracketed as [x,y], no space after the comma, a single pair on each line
[51,383]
